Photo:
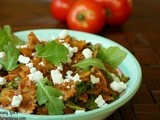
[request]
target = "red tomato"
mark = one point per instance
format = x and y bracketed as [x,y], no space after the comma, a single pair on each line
[87,16]
[117,11]
[59,8]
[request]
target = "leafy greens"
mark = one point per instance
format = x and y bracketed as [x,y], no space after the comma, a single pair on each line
[112,56]
[8,41]
[6,36]
[48,95]
[9,62]
[53,52]
[86,63]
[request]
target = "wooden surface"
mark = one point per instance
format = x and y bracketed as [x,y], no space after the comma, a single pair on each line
[140,35]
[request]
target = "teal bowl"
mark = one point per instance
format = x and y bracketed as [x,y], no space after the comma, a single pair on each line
[130,67]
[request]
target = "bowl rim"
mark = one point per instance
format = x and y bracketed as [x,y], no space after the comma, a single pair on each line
[110,107]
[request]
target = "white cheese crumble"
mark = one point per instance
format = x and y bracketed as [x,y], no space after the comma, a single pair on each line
[68,87]
[99,101]
[94,79]
[33,70]
[79,111]
[18,46]
[23,59]
[69,76]
[2,54]
[41,63]
[76,77]
[35,76]
[57,77]
[2,81]
[30,65]
[60,97]
[87,53]
[63,34]
[21,46]
[16,101]
[24,46]
[118,86]
[60,67]
[33,54]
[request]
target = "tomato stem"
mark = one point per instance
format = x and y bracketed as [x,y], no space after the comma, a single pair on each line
[108,12]
[80,17]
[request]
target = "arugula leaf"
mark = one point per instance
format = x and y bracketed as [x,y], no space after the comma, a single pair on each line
[46,94]
[10,61]
[17,41]
[112,56]
[55,106]
[86,63]
[53,52]
[40,94]
[6,36]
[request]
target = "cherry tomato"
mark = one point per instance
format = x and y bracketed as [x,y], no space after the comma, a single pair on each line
[117,11]
[87,16]
[59,8]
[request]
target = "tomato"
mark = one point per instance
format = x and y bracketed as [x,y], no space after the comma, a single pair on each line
[117,11]
[60,8]
[87,16]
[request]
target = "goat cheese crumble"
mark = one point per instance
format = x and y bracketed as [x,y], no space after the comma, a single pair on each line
[36,76]
[16,100]
[2,54]
[118,86]
[57,77]
[2,81]
[79,111]
[87,53]
[23,59]
[100,101]
[94,79]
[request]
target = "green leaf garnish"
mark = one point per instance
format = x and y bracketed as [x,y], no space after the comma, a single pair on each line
[112,56]
[87,63]
[10,61]
[53,52]
[48,95]
[6,36]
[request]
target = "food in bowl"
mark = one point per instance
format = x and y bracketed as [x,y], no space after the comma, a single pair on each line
[62,76]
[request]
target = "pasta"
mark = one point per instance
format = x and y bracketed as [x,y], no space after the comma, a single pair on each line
[79,92]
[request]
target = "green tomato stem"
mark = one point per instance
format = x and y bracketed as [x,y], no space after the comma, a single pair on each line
[80,17]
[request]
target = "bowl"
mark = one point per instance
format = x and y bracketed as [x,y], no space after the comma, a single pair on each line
[130,67]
